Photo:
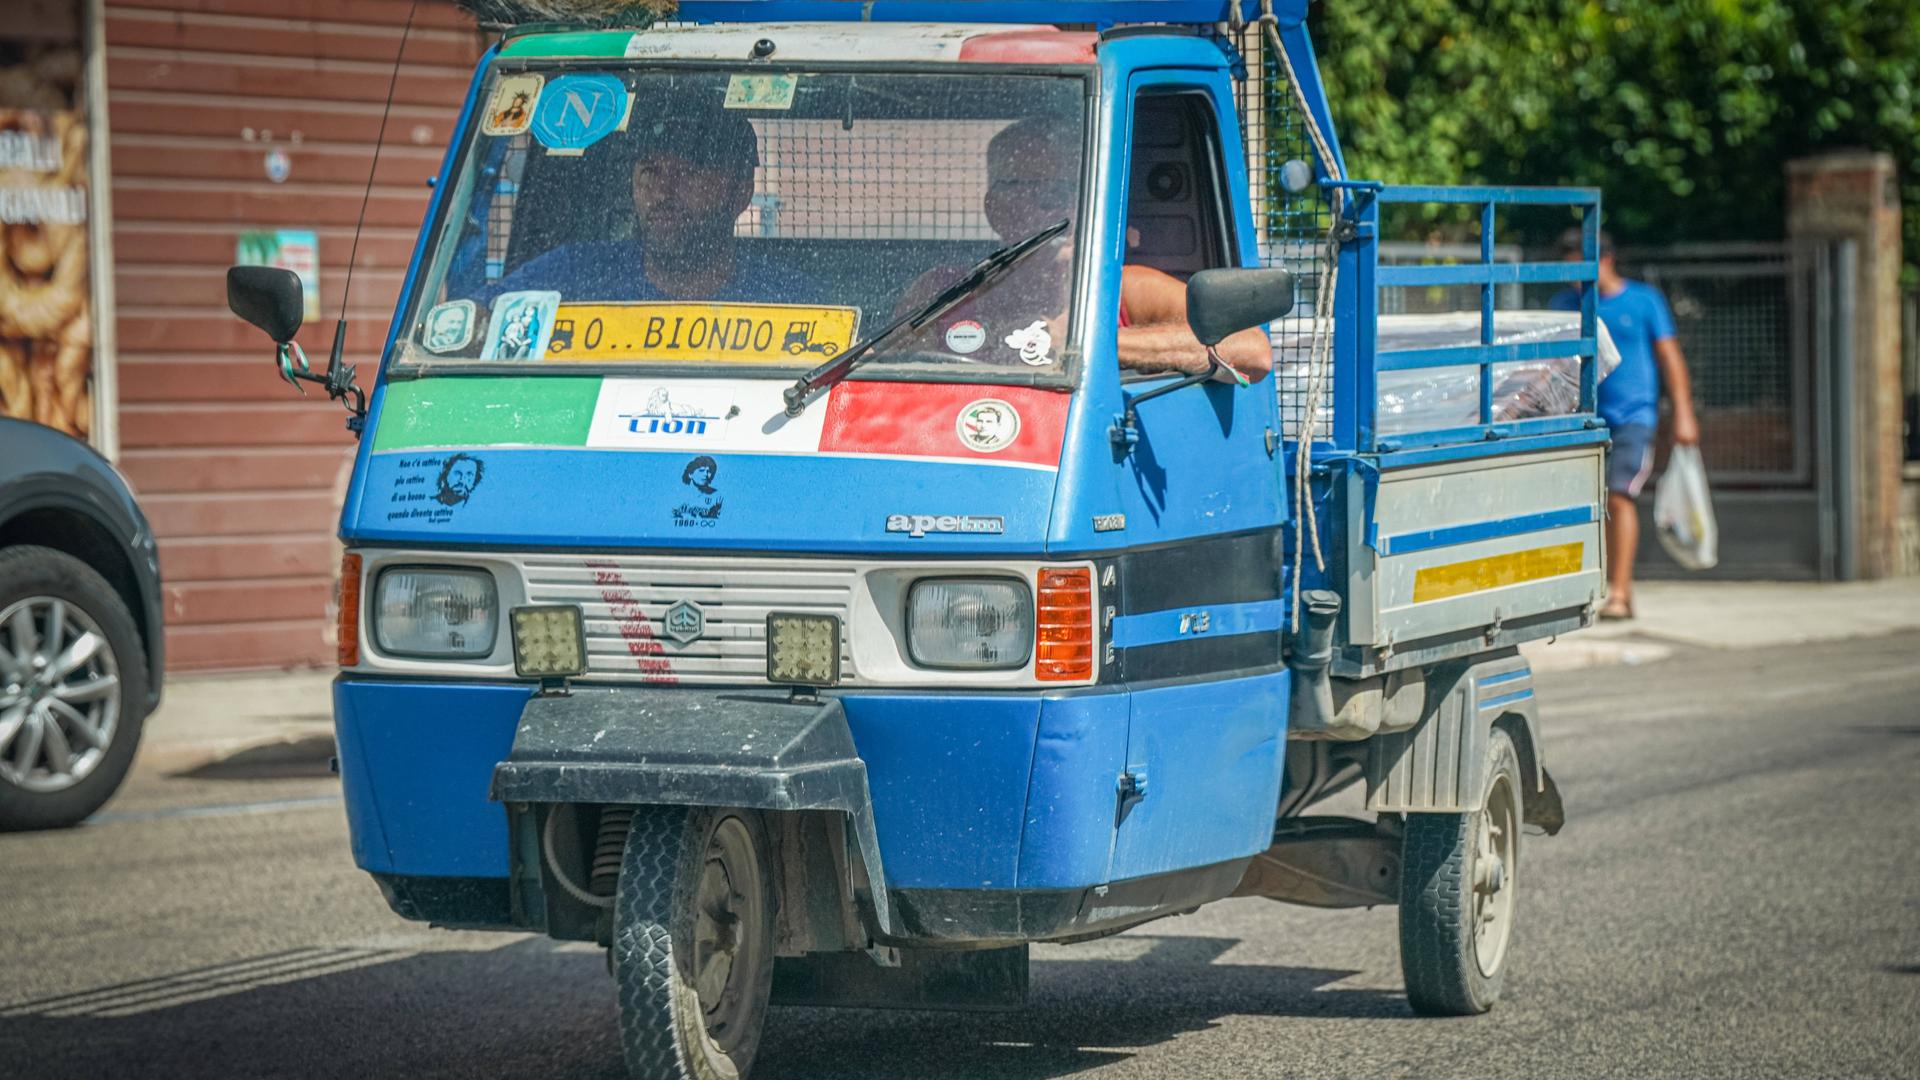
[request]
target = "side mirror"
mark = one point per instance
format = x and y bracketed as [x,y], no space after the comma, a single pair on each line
[269,298]
[1224,302]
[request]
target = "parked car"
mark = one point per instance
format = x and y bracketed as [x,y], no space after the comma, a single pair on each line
[80,627]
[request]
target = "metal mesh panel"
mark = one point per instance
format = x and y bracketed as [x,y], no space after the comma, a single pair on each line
[885,180]
[506,193]
[1735,324]
[1292,228]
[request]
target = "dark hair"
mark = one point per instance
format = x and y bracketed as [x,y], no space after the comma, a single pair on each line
[1573,239]
[725,140]
[446,468]
[701,462]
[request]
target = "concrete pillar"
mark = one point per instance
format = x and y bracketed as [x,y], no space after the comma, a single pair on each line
[1853,195]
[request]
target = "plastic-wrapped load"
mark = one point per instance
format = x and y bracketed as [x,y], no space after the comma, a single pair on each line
[1431,399]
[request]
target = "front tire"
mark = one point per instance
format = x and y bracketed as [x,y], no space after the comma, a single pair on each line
[693,942]
[73,689]
[1457,895]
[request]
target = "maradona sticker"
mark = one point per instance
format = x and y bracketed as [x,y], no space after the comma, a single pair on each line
[988,425]
[510,109]
[576,111]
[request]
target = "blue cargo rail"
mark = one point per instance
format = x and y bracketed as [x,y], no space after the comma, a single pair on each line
[1357,310]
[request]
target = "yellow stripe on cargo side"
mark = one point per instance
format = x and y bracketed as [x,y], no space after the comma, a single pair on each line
[1494,571]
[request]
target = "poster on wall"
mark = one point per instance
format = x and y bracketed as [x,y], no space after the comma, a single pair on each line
[46,326]
[297,250]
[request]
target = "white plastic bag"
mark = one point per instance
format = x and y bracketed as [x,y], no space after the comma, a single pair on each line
[1683,511]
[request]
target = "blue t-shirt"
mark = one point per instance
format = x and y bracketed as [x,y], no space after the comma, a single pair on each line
[1636,316]
[613,271]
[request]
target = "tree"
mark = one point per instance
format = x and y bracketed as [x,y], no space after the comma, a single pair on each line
[1684,112]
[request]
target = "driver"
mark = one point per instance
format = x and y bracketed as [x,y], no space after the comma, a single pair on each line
[1032,183]
[693,176]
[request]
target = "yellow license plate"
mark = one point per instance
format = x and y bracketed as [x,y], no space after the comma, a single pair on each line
[702,333]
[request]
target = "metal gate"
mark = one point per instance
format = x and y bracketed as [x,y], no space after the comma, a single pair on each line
[1767,332]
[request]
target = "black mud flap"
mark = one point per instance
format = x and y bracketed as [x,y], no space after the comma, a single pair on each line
[646,746]
[1543,808]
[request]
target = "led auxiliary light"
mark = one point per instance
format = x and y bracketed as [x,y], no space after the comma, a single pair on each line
[803,650]
[549,641]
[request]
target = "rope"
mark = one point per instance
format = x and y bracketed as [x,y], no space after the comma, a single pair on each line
[1306,521]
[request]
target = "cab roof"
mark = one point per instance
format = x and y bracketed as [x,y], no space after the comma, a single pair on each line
[1002,43]
[996,31]
[1099,14]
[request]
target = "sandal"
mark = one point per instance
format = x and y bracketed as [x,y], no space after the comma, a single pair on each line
[1616,612]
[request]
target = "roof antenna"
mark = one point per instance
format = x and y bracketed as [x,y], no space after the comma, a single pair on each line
[340,380]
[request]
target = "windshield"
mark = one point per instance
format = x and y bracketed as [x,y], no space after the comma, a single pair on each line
[704,220]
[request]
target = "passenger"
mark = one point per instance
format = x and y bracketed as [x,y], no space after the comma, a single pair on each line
[692,179]
[1032,183]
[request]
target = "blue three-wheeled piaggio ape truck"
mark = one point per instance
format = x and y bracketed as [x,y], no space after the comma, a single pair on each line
[800,542]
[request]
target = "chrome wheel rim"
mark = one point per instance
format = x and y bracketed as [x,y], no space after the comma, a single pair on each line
[1495,856]
[730,941]
[59,694]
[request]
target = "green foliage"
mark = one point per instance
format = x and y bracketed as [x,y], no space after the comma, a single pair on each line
[1684,111]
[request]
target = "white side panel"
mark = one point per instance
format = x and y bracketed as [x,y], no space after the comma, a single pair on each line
[1465,546]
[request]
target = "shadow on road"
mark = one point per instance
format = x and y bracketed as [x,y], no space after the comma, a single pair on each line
[308,756]
[531,1008]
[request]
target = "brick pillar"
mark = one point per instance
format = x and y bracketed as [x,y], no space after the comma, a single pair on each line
[1854,195]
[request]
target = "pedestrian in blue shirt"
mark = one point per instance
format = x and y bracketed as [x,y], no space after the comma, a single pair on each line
[1629,401]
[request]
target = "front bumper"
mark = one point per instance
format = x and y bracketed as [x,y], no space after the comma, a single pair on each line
[1008,794]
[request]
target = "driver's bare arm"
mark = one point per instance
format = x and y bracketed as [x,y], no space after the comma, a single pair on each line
[1159,339]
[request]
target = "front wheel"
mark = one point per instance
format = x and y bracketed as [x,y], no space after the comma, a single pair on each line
[693,942]
[1456,895]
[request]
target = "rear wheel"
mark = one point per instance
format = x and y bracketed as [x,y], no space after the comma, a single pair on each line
[73,684]
[693,942]
[1457,893]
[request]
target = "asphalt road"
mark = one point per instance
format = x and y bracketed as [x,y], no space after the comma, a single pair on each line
[1734,895]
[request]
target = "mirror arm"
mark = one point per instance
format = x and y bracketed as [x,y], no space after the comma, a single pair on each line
[1125,432]
[338,380]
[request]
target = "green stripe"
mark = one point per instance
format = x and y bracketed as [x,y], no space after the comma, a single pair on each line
[487,410]
[580,43]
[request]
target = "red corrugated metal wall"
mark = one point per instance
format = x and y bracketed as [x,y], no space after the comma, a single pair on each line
[239,475]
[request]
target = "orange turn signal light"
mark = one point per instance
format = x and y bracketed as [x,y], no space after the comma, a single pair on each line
[1063,625]
[349,627]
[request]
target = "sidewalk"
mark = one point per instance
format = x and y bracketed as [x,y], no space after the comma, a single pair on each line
[286,717]
[272,717]
[1735,615]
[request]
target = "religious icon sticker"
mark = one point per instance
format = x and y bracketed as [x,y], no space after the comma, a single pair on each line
[510,109]
[521,324]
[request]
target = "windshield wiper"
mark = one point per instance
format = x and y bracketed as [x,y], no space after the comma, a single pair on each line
[996,263]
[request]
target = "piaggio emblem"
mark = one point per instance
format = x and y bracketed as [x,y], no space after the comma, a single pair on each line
[684,622]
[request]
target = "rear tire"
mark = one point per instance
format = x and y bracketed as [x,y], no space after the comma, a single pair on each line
[1456,895]
[67,738]
[693,942]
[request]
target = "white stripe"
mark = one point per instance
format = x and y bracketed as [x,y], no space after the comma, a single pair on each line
[1646,466]
[815,41]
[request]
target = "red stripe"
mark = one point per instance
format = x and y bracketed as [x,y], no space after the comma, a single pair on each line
[1030,47]
[921,420]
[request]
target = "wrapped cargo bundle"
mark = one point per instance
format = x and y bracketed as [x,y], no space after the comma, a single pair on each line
[1437,398]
